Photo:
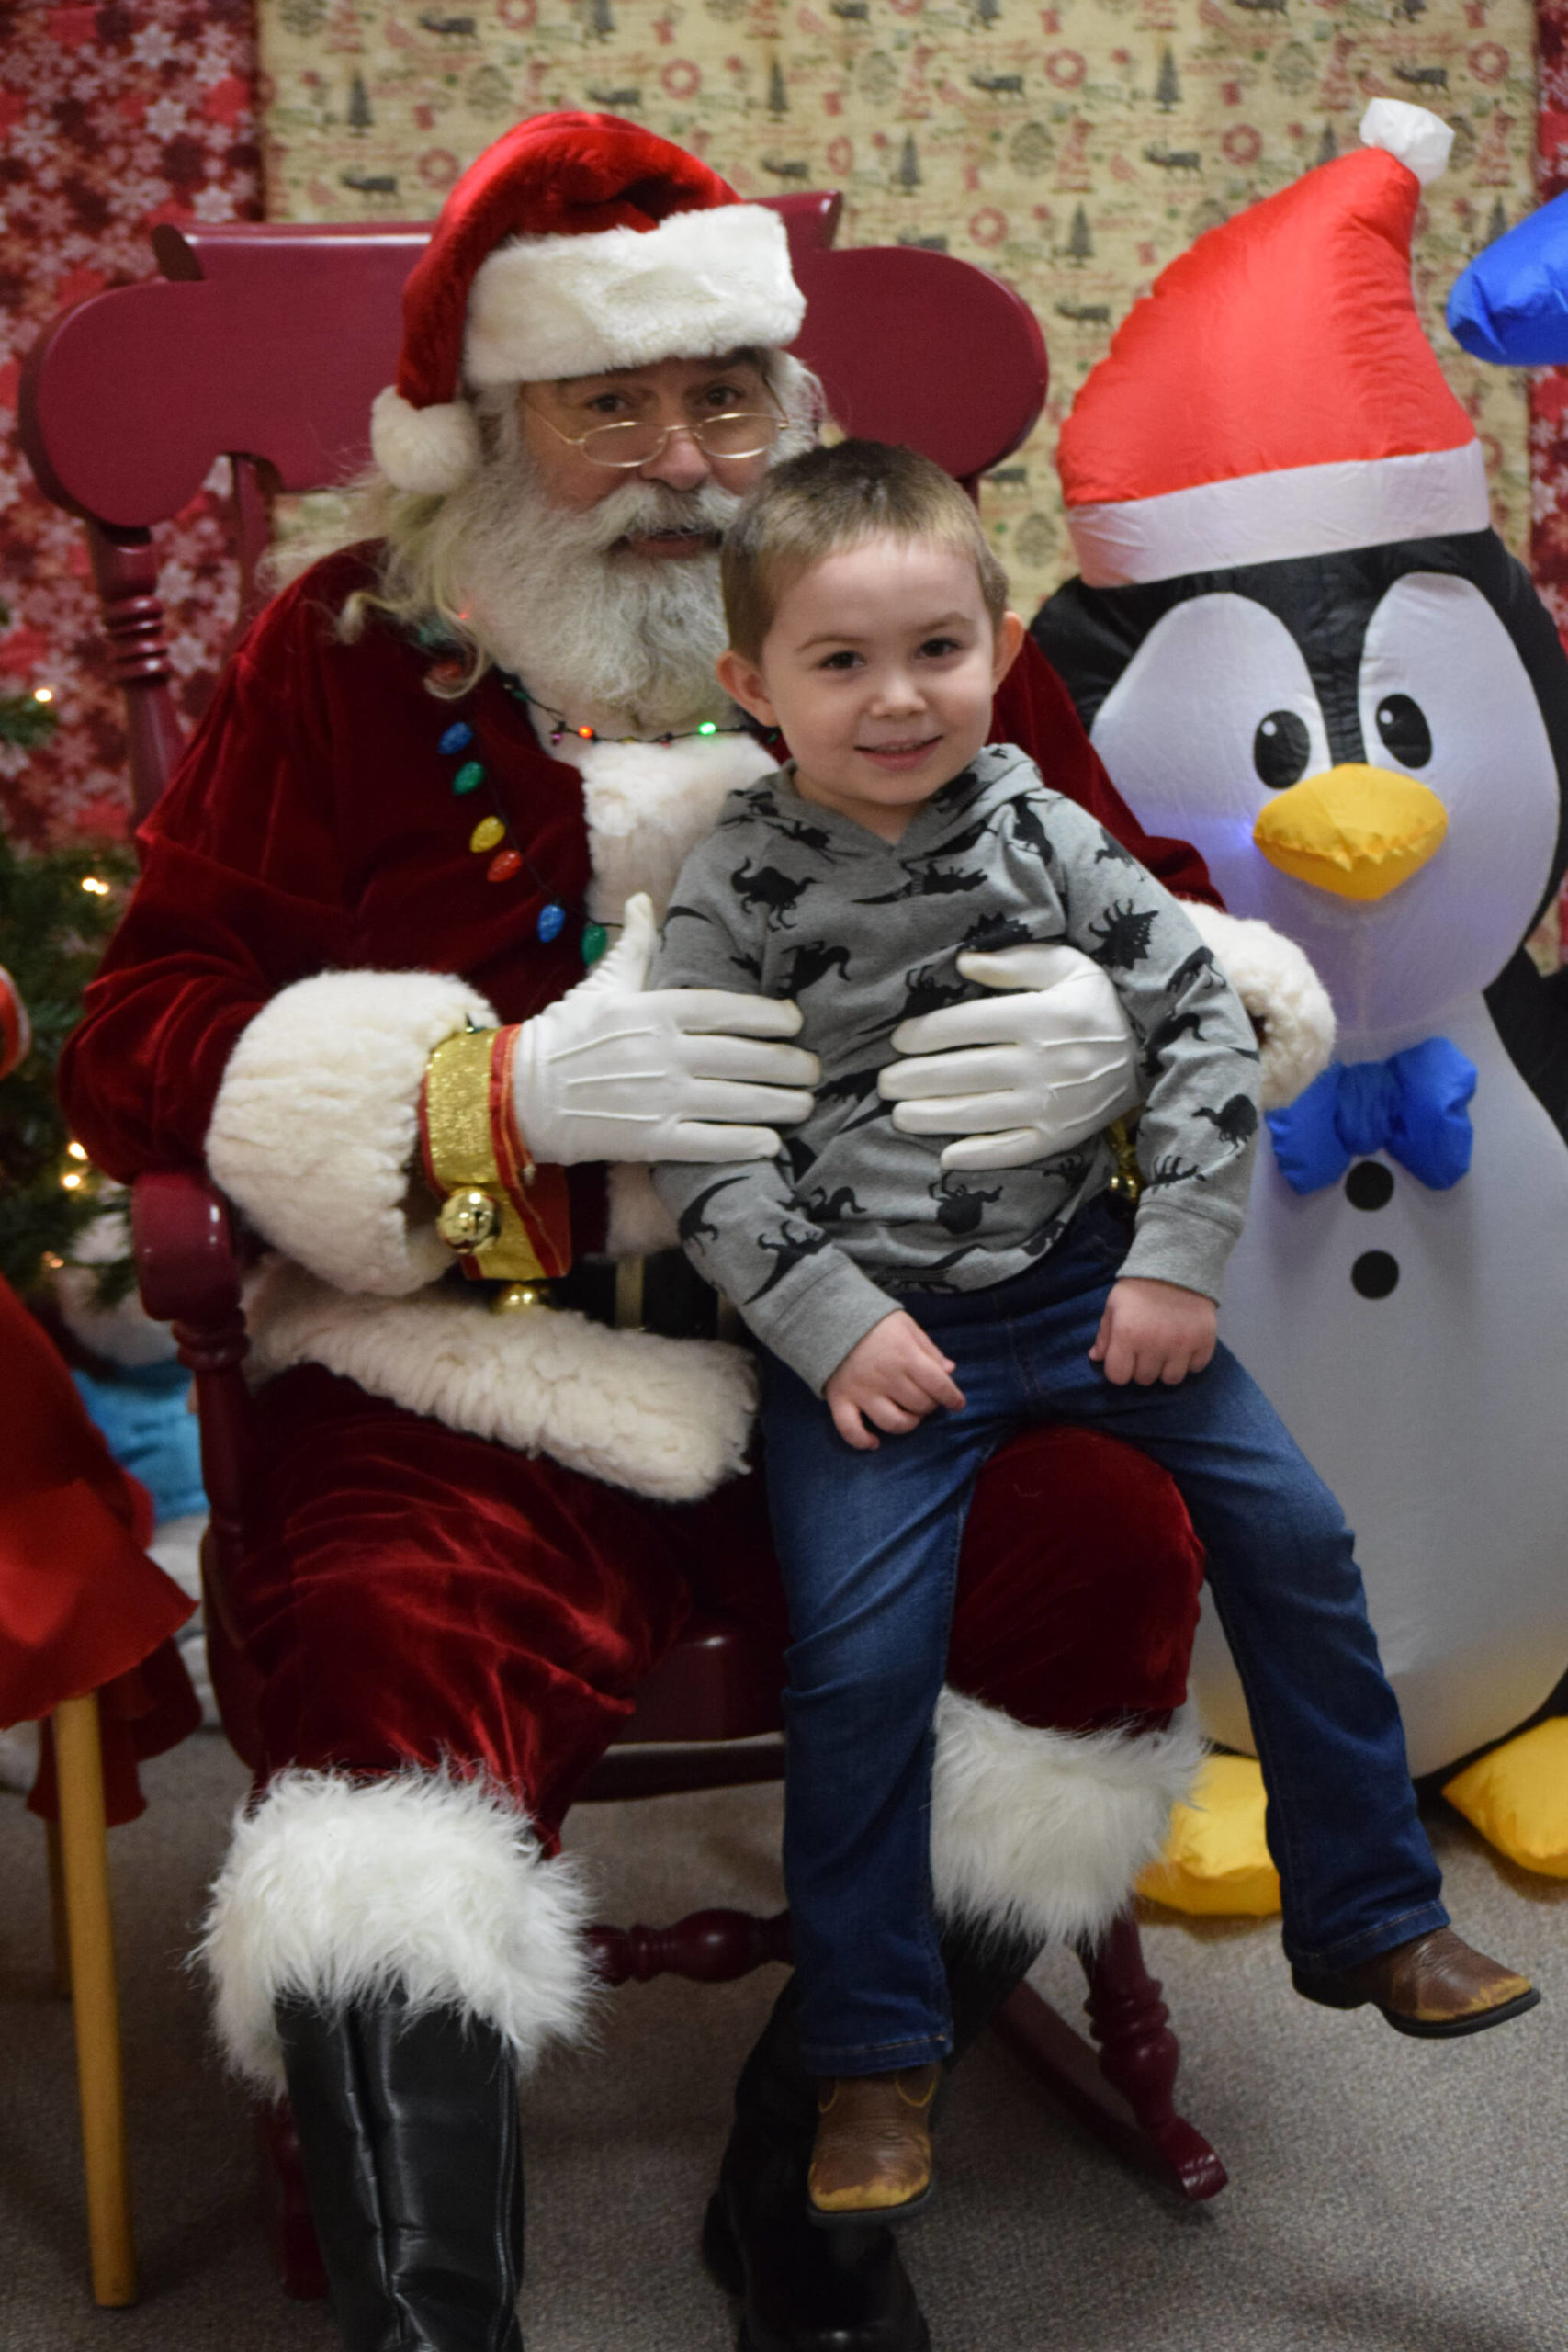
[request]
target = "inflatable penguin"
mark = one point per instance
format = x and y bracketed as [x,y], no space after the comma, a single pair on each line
[1298,644]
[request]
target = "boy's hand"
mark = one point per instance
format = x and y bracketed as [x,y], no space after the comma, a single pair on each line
[896,1376]
[1151,1330]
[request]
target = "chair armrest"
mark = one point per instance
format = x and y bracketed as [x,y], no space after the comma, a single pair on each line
[187,1260]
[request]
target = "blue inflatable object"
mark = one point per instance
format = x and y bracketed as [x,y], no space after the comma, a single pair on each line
[142,1413]
[1511,305]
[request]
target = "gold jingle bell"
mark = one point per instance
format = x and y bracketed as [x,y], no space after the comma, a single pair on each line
[513,1297]
[1126,1184]
[468,1220]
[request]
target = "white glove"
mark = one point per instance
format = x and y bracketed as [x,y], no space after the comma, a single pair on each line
[613,1072]
[1019,1078]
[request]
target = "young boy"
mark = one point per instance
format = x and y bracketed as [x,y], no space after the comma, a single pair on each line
[868,622]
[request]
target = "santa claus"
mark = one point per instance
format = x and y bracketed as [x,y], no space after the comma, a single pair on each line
[352,984]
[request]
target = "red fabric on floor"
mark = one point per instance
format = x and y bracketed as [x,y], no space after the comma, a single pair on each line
[81,1607]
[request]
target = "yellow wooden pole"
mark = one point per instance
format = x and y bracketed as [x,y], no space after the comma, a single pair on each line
[59,1928]
[85,1855]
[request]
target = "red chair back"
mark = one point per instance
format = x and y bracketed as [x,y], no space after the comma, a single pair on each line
[266,344]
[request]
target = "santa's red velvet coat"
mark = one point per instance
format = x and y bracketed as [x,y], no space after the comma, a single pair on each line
[455,1558]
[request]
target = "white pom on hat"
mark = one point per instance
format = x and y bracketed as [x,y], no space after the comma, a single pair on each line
[430,450]
[1411,134]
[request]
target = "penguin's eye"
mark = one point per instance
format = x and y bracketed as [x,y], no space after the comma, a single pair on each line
[1406,737]
[1282,748]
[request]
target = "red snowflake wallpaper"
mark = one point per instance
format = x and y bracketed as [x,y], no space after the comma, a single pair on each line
[111,118]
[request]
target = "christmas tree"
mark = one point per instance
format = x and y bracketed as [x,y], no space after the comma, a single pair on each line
[57,910]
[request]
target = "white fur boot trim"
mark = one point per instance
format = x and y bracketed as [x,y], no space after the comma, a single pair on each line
[338,1892]
[670,1418]
[1281,992]
[316,1125]
[1042,1833]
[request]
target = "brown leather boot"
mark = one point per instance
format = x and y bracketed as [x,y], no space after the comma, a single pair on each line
[873,2153]
[1435,1986]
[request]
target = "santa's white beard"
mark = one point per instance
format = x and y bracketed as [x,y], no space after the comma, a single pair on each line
[608,638]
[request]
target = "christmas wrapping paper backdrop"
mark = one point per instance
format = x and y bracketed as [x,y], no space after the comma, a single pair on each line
[1075,149]
[111,119]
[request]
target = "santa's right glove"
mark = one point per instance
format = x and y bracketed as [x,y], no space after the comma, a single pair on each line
[613,1072]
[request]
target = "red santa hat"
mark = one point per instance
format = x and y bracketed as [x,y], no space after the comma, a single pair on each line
[1276,395]
[577,243]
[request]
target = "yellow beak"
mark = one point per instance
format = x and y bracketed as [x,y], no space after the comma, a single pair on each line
[1357,831]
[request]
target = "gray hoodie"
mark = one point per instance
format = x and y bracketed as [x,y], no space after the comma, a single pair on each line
[795,900]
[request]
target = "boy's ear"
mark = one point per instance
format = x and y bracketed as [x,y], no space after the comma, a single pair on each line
[1008,646]
[743,682]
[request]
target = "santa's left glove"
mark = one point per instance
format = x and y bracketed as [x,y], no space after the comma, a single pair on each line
[614,1072]
[1045,1063]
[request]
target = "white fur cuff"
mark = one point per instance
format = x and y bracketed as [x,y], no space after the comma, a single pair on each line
[316,1125]
[1281,992]
[670,1418]
[1042,1833]
[337,1891]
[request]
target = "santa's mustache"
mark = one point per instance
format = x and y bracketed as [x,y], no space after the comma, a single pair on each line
[648,509]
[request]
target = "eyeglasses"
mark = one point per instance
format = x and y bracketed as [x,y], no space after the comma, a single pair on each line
[737,433]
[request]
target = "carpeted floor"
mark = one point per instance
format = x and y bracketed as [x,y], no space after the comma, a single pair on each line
[1386,2195]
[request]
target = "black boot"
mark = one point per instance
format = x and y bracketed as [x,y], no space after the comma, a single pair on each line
[408,2136]
[806,2289]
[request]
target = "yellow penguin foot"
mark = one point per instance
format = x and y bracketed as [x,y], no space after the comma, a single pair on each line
[1216,1862]
[1517,1797]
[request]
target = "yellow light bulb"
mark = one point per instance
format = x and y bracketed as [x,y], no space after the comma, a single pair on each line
[97,888]
[43,694]
[76,1151]
[69,1184]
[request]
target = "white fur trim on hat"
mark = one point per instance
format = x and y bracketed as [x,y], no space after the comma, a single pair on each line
[430,450]
[316,1125]
[1042,1833]
[670,1418]
[337,1891]
[1278,516]
[1413,135]
[702,283]
[1281,992]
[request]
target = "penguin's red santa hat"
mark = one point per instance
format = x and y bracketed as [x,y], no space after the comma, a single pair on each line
[576,244]
[1275,396]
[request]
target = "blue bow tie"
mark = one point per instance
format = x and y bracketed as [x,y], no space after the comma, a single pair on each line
[1412,1106]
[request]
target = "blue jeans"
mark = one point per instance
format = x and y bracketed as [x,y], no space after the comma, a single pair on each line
[869,1545]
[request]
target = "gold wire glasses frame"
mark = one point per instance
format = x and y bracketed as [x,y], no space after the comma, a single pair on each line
[737,433]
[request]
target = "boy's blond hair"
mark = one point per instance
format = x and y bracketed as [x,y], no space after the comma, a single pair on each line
[826,500]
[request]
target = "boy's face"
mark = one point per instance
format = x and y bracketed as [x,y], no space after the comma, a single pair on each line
[880,669]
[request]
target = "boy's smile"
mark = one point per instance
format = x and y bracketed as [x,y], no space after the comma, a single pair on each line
[880,668]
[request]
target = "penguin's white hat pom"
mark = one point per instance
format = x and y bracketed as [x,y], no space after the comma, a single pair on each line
[1410,134]
[431,450]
